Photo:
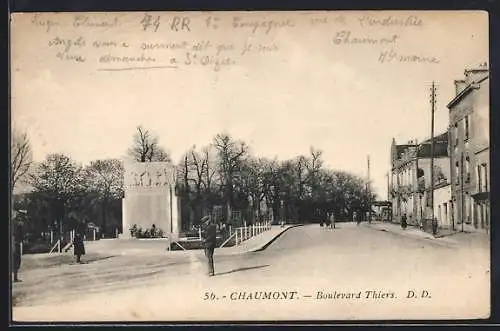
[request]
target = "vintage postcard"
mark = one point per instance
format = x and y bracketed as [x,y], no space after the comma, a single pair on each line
[250,166]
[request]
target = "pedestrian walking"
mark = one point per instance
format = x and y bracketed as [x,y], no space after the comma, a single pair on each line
[358,218]
[17,239]
[332,220]
[78,245]
[404,222]
[209,242]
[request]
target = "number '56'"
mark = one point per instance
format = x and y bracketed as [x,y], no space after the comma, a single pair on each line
[209,296]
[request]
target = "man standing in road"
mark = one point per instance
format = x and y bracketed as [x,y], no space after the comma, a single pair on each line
[17,239]
[209,242]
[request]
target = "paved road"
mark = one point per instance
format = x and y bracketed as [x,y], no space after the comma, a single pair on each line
[309,260]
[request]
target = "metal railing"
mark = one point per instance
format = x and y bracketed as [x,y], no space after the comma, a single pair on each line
[244,233]
[56,245]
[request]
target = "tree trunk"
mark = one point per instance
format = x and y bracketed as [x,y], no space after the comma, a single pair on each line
[104,215]
[229,194]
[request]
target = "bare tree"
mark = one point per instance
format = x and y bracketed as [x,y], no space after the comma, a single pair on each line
[210,168]
[197,164]
[314,166]
[191,172]
[146,147]
[231,153]
[21,156]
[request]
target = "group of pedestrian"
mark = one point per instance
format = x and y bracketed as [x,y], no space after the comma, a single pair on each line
[329,221]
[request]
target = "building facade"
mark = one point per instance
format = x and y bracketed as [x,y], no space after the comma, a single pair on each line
[403,180]
[410,181]
[469,147]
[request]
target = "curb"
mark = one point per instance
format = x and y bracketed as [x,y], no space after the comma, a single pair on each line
[431,238]
[266,245]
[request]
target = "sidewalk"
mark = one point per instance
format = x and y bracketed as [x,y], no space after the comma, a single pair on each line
[257,243]
[155,247]
[254,244]
[444,237]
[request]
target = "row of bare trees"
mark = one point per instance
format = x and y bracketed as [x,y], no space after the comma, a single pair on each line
[300,189]
[223,173]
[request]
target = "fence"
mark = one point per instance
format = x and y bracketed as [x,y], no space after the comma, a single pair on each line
[235,236]
[243,233]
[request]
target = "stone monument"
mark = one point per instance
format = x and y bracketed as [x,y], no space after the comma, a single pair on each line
[150,198]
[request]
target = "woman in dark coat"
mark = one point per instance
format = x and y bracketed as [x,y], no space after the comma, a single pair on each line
[78,246]
[404,222]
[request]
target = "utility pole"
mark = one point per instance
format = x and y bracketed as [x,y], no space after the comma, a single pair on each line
[369,192]
[433,106]
[417,186]
[388,188]
[462,189]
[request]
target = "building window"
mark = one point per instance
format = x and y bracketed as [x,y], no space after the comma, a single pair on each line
[486,188]
[455,134]
[467,208]
[467,169]
[457,173]
[479,179]
[466,127]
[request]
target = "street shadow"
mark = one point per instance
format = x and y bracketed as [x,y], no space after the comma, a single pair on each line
[242,269]
[94,259]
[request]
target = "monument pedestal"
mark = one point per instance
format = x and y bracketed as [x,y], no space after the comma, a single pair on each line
[150,198]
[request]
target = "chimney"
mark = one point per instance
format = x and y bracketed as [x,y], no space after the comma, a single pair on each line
[459,86]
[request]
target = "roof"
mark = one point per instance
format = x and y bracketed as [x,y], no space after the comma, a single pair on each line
[443,137]
[440,147]
[465,91]
[399,149]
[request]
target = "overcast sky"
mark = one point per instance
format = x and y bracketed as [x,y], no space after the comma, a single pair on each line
[338,98]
